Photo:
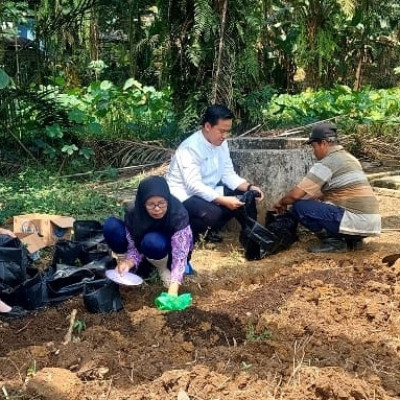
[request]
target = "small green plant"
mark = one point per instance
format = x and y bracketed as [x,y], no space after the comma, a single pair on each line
[79,326]
[201,242]
[31,371]
[235,254]
[253,336]
[246,366]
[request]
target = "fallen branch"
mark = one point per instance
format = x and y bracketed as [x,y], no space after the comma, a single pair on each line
[298,129]
[109,388]
[24,327]
[247,132]
[5,393]
[68,336]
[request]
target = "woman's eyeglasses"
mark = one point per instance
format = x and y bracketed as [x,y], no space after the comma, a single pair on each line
[152,206]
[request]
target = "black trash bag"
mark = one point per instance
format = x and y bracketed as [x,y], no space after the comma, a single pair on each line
[66,252]
[284,226]
[67,282]
[249,209]
[93,252]
[14,261]
[31,294]
[99,267]
[258,241]
[102,296]
[88,230]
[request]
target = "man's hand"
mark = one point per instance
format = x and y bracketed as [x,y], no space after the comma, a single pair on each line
[230,202]
[124,266]
[7,232]
[279,207]
[289,198]
[257,189]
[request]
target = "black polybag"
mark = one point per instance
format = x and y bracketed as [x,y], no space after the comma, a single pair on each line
[278,234]
[66,252]
[30,294]
[284,226]
[93,252]
[258,241]
[249,210]
[102,296]
[14,261]
[67,282]
[86,230]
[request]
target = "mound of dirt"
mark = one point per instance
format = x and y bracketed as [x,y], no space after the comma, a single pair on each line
[293,326]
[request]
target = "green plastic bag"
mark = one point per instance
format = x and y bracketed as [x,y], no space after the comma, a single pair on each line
[167,302]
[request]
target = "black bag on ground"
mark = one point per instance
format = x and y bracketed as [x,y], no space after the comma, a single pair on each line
[99,267]
[93,252]
[258,241]
[66,252]
[102,296]
[31,294]
[68,281]
[14,261]
[284,226]
[85,230]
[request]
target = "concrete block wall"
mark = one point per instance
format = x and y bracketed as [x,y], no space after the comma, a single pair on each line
[274,164]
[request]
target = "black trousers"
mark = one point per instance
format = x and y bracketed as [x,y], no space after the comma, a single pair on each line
[205,215]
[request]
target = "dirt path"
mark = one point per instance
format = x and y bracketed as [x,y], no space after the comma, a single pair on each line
[292,326]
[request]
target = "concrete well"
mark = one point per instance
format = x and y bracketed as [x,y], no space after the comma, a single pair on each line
[274,164]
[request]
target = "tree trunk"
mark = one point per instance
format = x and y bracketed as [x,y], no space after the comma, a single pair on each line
[357,83]
[94,35]
[218,67]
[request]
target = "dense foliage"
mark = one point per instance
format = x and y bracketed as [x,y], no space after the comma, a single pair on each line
[78,72]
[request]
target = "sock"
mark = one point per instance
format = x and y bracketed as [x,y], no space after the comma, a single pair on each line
[162,268]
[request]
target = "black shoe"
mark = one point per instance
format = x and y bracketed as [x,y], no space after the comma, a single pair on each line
[354,244]
[329,245]
[14,313]
[213,237]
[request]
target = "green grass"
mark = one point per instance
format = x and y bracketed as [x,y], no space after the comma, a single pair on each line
[37,191]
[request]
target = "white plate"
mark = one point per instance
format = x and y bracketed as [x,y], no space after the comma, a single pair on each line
[127,278]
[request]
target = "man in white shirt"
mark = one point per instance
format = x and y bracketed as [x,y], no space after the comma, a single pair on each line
[202,177]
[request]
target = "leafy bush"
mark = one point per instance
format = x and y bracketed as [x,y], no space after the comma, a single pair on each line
[104,111]
[367,106]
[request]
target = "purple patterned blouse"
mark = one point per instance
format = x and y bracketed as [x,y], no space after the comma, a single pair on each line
[181,245]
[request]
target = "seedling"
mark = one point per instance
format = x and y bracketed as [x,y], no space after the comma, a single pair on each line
[79,326]
[246,366]
[252,336]
[30,372]
[236,255]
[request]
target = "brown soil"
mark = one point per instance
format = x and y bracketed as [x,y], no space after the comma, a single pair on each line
[292,326]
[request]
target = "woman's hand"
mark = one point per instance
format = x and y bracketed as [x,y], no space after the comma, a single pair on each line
[173,289]
[124,266]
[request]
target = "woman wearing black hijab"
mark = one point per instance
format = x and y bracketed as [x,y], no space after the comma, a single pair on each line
[157,230]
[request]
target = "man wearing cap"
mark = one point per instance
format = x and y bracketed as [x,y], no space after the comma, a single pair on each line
[334,200]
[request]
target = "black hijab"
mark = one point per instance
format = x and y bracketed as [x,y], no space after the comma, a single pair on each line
[139,222]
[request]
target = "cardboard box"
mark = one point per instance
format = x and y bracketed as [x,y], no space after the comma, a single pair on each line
[47,227]
[32,240]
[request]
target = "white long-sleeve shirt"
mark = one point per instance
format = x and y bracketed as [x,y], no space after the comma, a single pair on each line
[198,167]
